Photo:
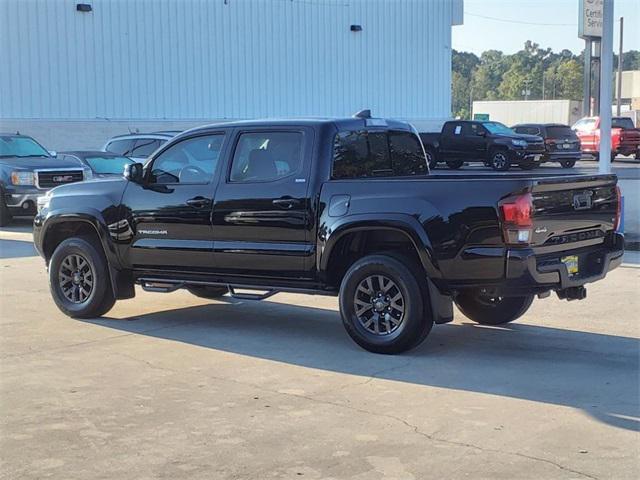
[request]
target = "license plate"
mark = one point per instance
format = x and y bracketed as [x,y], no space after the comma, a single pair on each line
[571,262]
[536,158]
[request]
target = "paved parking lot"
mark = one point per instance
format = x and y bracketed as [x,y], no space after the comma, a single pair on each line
[171,386]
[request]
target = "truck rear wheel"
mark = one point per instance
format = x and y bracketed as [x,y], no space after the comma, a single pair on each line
[499,160]
[210,293]
[455,164]
[492,310]
[382,304]
[79,278]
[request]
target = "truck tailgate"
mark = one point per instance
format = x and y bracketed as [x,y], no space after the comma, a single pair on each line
[572,211]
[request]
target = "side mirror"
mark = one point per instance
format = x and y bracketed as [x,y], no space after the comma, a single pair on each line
[53,153]
[133,172]
[481,134]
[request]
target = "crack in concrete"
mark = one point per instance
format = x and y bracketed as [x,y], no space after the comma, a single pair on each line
[414,428]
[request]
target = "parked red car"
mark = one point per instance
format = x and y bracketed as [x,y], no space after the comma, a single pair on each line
[625,138]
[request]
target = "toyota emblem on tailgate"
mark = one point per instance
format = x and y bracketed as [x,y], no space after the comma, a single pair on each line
[62,178]
[582,201]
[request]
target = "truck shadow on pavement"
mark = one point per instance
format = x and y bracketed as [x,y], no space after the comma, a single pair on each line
[593,372]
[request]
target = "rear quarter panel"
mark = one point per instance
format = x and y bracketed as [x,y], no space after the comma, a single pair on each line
[456,218]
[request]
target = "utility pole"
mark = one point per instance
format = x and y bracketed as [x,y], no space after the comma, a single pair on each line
[606,65]
[619,99]
[586,103]
[595,58]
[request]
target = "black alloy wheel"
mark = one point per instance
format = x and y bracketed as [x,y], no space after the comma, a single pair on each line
[379,305]
[384,303]
[75,278]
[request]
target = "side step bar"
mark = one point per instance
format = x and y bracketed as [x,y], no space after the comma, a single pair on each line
[161,285]
[151,286]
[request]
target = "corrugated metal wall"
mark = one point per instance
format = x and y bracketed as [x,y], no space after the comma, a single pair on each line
[203,59]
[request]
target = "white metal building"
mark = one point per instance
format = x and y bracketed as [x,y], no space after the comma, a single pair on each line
[76,77]
[511,112]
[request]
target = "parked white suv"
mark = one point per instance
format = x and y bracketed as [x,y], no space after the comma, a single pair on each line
[138,146]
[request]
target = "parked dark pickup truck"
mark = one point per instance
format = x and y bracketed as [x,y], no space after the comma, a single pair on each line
[490,142]
[333,207]
[28,171]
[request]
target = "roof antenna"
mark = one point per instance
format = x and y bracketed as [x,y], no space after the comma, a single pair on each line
[363,114]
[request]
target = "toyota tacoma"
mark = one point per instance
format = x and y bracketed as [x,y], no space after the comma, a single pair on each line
[342,207]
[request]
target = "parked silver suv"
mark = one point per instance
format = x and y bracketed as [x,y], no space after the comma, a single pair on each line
[138,146]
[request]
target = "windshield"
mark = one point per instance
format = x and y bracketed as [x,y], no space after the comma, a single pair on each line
[498,128]
[108,165]
[622,122]
[11,146]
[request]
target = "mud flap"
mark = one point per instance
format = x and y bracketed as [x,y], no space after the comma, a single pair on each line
[441,305]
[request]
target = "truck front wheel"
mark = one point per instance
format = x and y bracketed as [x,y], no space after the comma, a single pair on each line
[499,160]
[492,310]
[382,304]
[79,278]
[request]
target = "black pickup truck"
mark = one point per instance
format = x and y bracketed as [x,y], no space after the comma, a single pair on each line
[341,207]
[493,143]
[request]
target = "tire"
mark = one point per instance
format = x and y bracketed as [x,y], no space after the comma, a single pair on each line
[492,310]
[432,158]
[80,259]
[402,298]
[5,215]
[567,163]
[499,160]
[455,164]
[210,293]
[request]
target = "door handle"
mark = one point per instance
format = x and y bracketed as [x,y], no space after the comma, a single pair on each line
[198,202]
[286,202]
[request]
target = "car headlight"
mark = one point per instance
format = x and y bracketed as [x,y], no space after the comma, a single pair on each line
[43,202]
[23,178]
[87,174]
[519,143]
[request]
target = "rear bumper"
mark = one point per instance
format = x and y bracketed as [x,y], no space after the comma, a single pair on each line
[560,156]
[528,271]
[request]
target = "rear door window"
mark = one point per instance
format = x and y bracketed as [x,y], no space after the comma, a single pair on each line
[121,147]
[266,156]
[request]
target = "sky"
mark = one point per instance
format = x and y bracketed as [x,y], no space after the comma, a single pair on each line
[550,23]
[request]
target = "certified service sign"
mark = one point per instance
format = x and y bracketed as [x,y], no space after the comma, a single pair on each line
[590,21]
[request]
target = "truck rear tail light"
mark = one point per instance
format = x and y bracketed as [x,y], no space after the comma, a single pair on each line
[515,213]
[616,224]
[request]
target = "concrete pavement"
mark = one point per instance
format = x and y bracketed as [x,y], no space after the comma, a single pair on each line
[172,386]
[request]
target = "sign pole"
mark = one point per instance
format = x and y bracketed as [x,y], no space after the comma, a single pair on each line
[606,84]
